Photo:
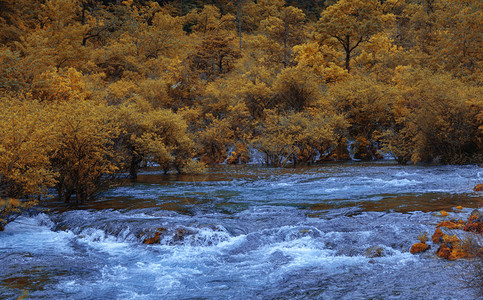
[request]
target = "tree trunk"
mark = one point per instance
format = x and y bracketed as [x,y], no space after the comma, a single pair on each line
[238,15]
[347,48]
[134,167]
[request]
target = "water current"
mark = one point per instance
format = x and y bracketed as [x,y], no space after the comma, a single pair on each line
[248,232]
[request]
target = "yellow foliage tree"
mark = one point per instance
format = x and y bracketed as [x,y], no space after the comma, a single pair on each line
[351,23]
[158,136]
[321,60]
[436,118]
[28,140]
[286,28]
[298,137]
[86,153]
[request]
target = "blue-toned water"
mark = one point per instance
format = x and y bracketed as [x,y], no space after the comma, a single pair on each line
[248,232]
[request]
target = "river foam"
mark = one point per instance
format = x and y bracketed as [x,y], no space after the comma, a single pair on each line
[252,233]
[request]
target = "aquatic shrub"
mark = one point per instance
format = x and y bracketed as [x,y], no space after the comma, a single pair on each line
[240,155]
[340,152]
[437,236]
[444,213]
[298,137]
[418,248]
[436,118]
[363,149]
[11,208]
[444,251]
[473,245]
[453,243]
[452,247]
[452,224]
[475,222]
[423,237]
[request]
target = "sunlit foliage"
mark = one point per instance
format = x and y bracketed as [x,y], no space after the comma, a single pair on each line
[436,118]
[92,89]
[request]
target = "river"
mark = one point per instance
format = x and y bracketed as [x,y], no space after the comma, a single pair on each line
[248,232]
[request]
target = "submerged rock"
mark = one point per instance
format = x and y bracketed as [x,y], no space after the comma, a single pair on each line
[418,248]
[156,239]
[374,251]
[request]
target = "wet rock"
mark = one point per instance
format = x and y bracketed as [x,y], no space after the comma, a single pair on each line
[418,248]
[156,239]
[182,233]
[374,251]
[437,236]
[478,188]
[475,214]
[444,213]
[451,240]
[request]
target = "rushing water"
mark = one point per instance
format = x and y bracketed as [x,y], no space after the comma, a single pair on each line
[246,232]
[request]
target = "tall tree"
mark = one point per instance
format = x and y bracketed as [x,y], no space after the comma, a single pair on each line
[352,22]
[286,28]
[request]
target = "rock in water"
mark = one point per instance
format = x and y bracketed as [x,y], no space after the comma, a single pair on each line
[374,251]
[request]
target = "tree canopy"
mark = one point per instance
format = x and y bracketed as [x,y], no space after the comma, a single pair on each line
[93,89]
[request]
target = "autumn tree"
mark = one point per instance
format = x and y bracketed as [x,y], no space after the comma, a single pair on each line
[459,47]
[296,90]
[321,61]
[367,105]
[215,56]
[159,136]
[352,23]
[28,140]
[297,137]
[85,154]
[436,119]
[286,28]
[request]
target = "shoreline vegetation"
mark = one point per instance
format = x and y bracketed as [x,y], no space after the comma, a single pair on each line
[90,89]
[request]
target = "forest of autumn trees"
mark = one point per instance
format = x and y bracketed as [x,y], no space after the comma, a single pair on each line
[89,89]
